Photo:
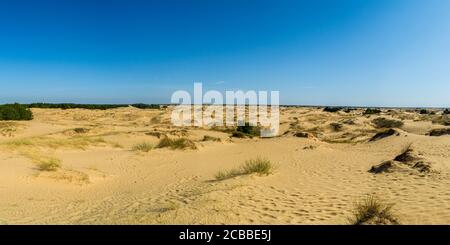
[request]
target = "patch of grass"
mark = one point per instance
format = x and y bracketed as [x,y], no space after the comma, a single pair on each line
[372,211]
[382,122]
[51,164]
[34,148]
[211,138]
[144,147]
[181,143]
[260,166]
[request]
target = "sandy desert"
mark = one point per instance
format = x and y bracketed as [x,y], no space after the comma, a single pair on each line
[81,166]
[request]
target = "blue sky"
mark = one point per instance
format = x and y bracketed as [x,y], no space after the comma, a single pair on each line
[347,52]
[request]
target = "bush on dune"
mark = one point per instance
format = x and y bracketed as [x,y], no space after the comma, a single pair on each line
[15,112]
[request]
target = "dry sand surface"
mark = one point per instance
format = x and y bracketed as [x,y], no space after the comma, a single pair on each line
[322,160]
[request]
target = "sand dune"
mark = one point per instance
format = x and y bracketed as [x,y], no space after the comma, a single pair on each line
[321,168]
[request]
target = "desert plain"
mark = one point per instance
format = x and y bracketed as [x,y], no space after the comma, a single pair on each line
[79,166]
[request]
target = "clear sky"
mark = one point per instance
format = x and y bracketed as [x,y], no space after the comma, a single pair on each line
[360,52]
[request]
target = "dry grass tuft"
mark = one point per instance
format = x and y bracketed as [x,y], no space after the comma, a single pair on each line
[260,166]
[51,164]
[144,147]
[372,211]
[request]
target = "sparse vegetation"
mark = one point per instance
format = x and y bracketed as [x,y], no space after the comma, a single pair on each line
[144,147]
[181,143]
[15,112]
[51,164]
[382,122]
[8,128]
[370,111]
[260,166]
[211,138]
[372,211]
[80,142]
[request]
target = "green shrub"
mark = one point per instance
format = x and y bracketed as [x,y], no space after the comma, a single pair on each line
[15,112]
